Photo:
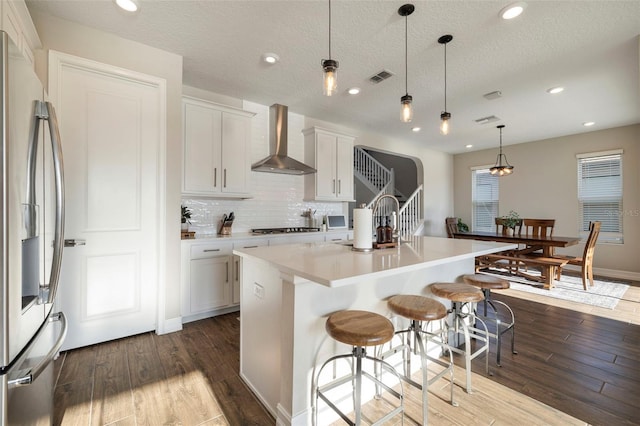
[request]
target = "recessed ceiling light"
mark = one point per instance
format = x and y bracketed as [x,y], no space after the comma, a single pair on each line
[588,123]
[354,90]
[513,10]
[555,90]
[415,129]
[468,146]
[270,58]
[128,5]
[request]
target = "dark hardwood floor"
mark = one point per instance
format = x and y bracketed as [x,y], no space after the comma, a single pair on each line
[583,365]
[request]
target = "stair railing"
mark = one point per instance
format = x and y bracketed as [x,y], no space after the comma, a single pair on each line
[371,169]
[411,213]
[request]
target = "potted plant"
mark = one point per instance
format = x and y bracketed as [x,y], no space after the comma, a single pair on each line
[186,215]
[511,220]
[462,227]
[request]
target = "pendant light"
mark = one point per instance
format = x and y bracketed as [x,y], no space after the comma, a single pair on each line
[445,116]
[329,68]
[406,112]
[501,169]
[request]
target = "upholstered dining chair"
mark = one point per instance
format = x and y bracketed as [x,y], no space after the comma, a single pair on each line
[586,261]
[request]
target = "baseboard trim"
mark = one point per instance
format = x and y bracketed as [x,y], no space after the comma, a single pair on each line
[609,273]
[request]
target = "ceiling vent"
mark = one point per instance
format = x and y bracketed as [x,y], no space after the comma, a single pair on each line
[492,95]
[381,76]
[485,120]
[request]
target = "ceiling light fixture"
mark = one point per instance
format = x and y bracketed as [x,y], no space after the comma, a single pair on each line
[501,169]
[406,112]
[354,90]
[588,123]
[329,68]
[415,129]
[513,10]
[128,5]
[555,90]
[468,146]
[445,116]
[270,58]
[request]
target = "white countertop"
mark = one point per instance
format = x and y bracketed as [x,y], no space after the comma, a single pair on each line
[201,237]
[335,264]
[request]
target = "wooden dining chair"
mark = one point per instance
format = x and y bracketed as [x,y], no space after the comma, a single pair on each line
[501,228]
[586,261]
[452,226]
[539,227]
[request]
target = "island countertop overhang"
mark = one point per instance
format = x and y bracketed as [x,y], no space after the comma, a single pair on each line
[336,264]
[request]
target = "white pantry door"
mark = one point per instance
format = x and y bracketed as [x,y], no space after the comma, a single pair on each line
[111,129]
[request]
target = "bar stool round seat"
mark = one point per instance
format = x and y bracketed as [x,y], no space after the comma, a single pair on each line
[415,338]
[418,308]
[465,322]
[457,292]
[359,328]
[486,283]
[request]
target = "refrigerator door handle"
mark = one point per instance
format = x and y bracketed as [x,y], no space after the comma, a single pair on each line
[30,376]
[30,219]
[58,169]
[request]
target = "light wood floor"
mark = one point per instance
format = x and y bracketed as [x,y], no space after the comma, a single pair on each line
[191,378]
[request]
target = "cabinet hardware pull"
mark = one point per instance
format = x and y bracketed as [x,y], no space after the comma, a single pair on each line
[249,246]
[209,250]
[237,270]
[339,186]
[225,178]
[336,239]
[334,187]
[215,177]
[227,265]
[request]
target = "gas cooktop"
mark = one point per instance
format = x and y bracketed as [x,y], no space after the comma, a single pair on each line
[283,230]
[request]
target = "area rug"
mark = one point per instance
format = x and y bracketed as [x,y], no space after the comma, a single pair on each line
[605,293]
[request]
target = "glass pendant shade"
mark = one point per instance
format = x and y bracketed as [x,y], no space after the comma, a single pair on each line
[406,113]
[502,166]
[444,123]
[330,76]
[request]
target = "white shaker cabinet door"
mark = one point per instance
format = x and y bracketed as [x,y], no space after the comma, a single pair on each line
[210,284]
[203,142]
[111,125]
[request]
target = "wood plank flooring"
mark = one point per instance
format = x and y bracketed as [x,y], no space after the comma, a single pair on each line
[575,362]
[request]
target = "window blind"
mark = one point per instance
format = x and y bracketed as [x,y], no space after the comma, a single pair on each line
[484,195]
[600,195]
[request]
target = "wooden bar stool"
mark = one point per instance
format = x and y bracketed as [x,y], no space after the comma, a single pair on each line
[462,297]
[359,329]
[421,311]
[486,283]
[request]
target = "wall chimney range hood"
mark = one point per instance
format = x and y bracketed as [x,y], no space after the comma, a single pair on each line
[278,161]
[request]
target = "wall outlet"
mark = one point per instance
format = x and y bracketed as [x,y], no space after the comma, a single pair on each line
[258,291]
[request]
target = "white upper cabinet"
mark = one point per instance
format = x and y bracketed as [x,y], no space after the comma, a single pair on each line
[217,144]
[331,154]
[17,23]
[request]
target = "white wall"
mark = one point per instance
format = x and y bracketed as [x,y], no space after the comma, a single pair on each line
[74,39]
[544,185]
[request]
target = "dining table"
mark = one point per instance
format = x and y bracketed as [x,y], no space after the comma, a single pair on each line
[546,244]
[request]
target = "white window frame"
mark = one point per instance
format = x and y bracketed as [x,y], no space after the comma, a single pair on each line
[486,200]
[600,195]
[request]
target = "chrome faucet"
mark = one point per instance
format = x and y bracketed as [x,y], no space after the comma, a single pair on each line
[396,235]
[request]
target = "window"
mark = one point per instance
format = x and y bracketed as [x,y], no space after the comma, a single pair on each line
[600,194]
[484,193]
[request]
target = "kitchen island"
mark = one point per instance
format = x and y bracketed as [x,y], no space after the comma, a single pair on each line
[288,291]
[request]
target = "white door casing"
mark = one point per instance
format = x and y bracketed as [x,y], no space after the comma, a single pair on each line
[112,124]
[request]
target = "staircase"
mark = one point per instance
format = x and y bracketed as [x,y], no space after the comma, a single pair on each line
[380,180]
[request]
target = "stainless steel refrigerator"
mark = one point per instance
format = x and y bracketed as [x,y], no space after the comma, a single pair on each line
[31,242]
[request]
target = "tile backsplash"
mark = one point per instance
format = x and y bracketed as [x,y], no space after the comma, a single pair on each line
[277,198]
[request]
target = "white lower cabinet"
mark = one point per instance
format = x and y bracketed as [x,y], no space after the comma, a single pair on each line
[206,278]
[242,244]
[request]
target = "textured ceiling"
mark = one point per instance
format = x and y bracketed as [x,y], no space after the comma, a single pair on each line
[589,47]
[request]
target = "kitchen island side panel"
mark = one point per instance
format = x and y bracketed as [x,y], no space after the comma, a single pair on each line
[301,312]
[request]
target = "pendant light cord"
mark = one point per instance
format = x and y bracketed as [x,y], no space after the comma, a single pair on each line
[329,29]
[445,77]
[406,55]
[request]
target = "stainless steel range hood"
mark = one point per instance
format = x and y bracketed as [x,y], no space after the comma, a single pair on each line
[278,161]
